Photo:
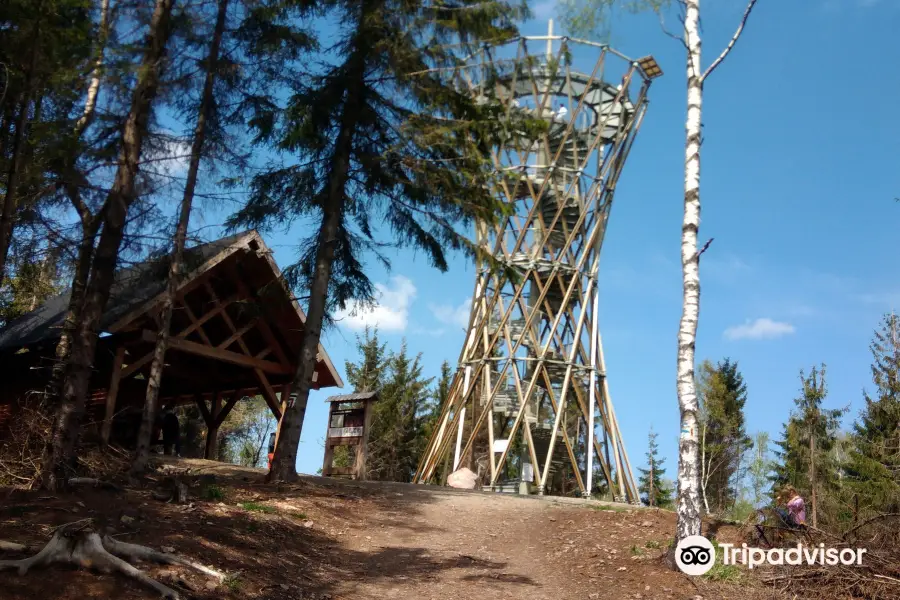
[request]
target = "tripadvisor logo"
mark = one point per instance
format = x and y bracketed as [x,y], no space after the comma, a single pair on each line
[696,555]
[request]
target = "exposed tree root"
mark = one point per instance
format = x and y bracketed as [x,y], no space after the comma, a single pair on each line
[80,545]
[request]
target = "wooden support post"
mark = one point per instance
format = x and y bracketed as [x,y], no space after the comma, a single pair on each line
[212,428]
[362,449]
[204,411]
[329,447]
[112,393]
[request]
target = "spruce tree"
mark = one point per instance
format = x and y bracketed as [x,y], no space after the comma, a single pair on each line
[369,373]
[723,437]
[396,439]
[650,482]
[45,46]
[805,458]
[873,468]
[121,195]
[380,136]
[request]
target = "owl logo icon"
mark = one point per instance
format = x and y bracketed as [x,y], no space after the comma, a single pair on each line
[695,555]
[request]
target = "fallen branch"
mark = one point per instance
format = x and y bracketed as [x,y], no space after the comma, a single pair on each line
[12,547]
[80,545]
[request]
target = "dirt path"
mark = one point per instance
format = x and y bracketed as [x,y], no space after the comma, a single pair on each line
[331,540]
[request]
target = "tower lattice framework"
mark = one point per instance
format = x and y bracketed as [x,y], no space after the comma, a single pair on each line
[530,398]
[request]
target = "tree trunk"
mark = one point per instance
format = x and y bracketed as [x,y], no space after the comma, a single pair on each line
[151,401]
[73,311]
[89,223]
[812,468]
[688,503]
[90,104]
[121,195]
[11,199]
[704,469]
[651,497]
[285,459]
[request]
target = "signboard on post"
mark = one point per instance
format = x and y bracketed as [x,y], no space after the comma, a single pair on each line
[527,472]
[345,432]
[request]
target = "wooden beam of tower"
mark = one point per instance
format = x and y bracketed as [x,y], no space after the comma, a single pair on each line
[219,354]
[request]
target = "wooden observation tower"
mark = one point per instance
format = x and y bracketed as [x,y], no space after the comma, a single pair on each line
[530,402]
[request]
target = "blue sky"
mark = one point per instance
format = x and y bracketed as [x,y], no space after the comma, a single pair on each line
[799,173]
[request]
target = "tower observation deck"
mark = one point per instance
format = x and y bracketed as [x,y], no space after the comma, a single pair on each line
[530,402]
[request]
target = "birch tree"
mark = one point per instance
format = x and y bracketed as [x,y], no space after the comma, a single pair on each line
[120,197]
[688,474]
[580,18]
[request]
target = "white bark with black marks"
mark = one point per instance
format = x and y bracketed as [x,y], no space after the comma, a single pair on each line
[688,502]
[689,466]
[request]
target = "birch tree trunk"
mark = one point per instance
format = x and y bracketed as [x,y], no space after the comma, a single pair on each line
[90,223]
[688,502]
[121,195]
[151,401]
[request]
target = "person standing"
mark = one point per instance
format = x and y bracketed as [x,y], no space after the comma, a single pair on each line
[171,432]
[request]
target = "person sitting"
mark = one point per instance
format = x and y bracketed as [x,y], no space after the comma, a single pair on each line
[791,509]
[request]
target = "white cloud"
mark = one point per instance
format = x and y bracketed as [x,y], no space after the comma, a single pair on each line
[391,309]
[760,329]
[170,158]
[452,315]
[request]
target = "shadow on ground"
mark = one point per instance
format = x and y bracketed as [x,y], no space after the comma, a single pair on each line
[276,542]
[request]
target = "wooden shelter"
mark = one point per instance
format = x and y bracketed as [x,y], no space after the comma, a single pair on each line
[236,331]
[349,424]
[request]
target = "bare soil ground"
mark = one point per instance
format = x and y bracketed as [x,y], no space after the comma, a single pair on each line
[333,539]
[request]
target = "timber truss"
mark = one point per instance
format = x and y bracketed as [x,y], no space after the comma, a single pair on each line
[530,393]
[228,340]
